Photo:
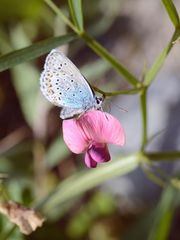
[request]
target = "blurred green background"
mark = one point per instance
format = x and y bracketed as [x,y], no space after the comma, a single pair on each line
[41,171]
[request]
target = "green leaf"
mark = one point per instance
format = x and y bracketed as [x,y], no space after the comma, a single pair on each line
[86,180]
[151,74]
[35,50]
[56,152]
[164,214]
[76,13]
[172,12]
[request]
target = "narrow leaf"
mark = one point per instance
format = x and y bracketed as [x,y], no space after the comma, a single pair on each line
[86,180]
[172,12]
[76,13]
[164,214]
[37,49]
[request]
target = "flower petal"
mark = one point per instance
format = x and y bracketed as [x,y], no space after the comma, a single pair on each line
[90,163]
[74,136]
[101,127]
[99,154]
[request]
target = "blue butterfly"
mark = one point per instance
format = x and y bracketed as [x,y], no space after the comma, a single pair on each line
[63,85]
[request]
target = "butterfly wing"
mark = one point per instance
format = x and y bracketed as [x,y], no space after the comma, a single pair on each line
[70,112]
[62,83]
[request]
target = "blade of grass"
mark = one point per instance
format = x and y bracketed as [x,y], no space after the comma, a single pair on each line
[35,50]
[75,7]
[151,74]
[164,215]
[172,12]
[155,222]
[86,180]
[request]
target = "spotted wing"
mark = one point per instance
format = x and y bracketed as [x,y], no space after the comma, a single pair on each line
[62,83]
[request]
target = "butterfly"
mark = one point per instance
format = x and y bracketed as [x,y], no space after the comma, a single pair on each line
[63,85]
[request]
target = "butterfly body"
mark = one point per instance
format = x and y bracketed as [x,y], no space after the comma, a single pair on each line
[63,85]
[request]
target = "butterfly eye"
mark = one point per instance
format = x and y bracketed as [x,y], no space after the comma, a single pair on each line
[99,100]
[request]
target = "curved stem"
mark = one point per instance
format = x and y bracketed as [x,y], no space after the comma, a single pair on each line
[102,52]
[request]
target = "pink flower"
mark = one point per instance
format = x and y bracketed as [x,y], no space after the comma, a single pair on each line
[90,133]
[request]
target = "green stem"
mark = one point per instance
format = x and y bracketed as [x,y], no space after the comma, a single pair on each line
[163,155]
[172,12]
[115,93]
[102,52]
[155,179]
[143,100]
